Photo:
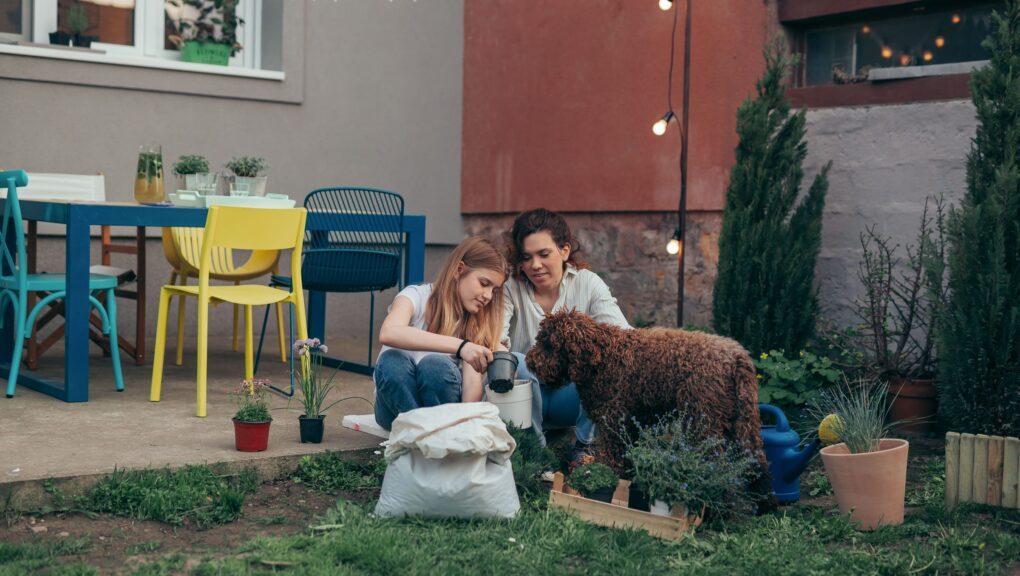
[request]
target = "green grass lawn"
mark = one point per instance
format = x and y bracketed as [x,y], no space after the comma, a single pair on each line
[348,539]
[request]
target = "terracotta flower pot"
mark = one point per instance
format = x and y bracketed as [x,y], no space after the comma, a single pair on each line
[251,436]
[869,486]
[914,401]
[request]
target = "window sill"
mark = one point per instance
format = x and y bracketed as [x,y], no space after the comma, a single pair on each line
[904,72]
[898,91]
[99,57]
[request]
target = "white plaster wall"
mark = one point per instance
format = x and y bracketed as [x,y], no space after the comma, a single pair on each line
[885,161]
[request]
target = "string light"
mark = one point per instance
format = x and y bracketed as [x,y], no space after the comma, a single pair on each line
[956,19]
[659,128]
[665,4]
[905,59]
[886,52]
[866,29]
[928,56]
[940,41]
[675,244]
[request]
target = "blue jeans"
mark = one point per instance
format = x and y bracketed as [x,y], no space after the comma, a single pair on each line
[555,408]
[400,385]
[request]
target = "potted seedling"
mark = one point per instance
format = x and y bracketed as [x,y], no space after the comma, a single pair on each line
[868,471]
[595,481]
[314,388]
[252,419]
[684,472]
[205,31]
[193,175]
[246,180]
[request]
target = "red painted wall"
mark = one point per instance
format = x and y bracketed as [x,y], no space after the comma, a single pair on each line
[560,96]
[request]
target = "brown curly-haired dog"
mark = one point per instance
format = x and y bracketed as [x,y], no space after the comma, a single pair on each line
[645,373]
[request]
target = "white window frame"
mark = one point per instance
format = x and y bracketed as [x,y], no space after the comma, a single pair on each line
[149,30]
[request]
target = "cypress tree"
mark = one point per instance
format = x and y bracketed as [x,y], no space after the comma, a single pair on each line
[979,332]
[764,295]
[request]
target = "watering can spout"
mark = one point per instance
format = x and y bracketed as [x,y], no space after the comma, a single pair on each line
[798,460]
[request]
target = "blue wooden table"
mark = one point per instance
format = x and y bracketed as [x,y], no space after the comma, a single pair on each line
[80,216]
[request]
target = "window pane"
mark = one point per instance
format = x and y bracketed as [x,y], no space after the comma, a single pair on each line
[10,16]
[942,37]
[109,21]
[191,20]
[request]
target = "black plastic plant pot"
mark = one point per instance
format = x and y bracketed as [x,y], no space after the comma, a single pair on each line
[311,429]
[637,499]
[60,38]
[83,41]
[602,495]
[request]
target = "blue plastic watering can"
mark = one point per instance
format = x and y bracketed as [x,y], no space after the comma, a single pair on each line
[786,461]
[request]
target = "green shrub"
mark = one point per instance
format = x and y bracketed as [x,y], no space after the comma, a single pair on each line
[248,166]
[979,333]
[333,473]
[590,478]
[192,494]
[793,382]
[674,461]
[191,164]
[529,460]
[764,295]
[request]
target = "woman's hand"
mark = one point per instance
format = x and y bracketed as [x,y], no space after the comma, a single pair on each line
[477,356]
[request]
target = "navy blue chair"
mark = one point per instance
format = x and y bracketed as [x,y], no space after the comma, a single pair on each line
[340,258]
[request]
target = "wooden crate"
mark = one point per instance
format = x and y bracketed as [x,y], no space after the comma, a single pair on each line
[617,514]
[982,469]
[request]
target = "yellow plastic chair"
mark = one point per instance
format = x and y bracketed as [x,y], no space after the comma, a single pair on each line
[234,228]
[183,249]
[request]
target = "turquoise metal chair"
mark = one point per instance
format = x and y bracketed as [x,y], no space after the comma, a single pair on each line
[16,283]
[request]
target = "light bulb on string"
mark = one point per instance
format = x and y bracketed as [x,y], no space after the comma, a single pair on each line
[674,245]
[956,19]
[928,56]
[886,52]
[665,5]
[940,41]
[659,128]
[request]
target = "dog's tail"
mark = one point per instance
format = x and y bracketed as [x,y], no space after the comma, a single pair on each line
[747,427]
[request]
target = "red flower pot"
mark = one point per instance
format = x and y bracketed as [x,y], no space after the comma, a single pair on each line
[913,402]
[251,436]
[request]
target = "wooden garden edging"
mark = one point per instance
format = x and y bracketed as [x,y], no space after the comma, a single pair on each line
[617,514]
[982,469]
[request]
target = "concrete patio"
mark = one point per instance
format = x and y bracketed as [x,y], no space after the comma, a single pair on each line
[44,438]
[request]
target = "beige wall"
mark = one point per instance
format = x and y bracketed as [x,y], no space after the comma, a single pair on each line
[372,97]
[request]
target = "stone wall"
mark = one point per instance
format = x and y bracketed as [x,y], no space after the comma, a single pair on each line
[628,250]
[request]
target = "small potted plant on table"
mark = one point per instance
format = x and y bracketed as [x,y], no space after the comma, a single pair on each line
[595,481]
[868,471]
[246,180]
[193,174]
[252,420]
[684,472]
[314,388]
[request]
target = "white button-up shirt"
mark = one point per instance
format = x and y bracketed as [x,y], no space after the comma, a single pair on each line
[580,290]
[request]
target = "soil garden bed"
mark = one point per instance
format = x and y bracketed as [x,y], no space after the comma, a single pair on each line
[316,526]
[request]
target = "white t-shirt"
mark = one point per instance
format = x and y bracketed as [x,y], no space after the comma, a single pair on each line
[418,294]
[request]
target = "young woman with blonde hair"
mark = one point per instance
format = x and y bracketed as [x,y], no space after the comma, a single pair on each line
[438,338]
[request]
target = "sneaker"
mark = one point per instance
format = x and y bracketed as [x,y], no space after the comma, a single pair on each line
[581,454]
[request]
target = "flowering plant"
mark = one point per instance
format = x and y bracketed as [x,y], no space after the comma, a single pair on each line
[590,478]
[675,462]
[252,397]
[314,388]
